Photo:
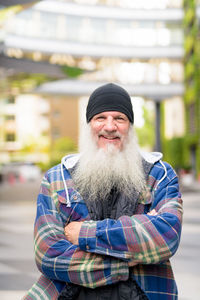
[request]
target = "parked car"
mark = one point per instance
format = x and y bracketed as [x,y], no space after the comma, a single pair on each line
[20,171]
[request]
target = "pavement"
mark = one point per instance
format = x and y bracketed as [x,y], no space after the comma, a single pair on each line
[186,262]
[189,185]
[17,267]
[17,213]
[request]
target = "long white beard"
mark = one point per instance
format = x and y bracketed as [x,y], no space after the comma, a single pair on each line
[99,170]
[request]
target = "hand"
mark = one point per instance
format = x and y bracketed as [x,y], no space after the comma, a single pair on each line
[72,231]
[132,263]
[153,212]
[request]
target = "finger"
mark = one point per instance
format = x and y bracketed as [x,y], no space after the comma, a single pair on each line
[131,264]
[152,213]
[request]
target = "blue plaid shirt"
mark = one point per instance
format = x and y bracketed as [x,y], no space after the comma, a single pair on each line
[105,247]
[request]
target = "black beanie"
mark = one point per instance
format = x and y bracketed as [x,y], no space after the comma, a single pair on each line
[109,97]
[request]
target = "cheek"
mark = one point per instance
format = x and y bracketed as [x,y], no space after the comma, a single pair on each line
[124,136]
[95,128]
[95,131]
[124,131]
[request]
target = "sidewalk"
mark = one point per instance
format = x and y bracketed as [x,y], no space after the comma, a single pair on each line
[186,262]
[12,295]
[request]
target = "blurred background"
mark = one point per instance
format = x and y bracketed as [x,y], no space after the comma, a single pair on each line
[53,54]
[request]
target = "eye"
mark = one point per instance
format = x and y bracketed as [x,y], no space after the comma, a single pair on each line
[120,118]
[99,118]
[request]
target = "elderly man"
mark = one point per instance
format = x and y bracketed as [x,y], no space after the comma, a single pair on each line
[108,219]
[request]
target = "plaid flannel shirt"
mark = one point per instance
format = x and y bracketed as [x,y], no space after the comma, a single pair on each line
[105,247]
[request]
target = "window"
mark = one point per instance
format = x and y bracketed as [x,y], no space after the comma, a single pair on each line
[10,117]
[11,100]
[56,114]
[10,137]
[55,133]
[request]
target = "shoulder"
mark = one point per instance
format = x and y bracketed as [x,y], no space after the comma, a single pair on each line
[162,168]
[159,168]
[67,163]
[53,174]
[163,176]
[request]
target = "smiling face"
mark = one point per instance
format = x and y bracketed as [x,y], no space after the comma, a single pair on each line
[110,127]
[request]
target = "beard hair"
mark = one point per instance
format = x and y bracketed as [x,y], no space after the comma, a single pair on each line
[99,170]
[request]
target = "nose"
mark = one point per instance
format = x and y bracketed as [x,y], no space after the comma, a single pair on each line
[110,124]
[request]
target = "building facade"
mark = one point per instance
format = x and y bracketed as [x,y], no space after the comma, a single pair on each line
[24,125]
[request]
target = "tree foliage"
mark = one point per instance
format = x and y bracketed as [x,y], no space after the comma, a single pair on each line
[60,148]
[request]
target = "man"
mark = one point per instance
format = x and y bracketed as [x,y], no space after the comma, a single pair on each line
[108,219]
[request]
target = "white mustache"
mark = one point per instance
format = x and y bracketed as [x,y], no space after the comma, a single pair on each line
[110,134]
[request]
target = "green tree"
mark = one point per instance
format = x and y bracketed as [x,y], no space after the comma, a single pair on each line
[60,148]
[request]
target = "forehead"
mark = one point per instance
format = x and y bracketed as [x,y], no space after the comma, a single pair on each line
[111,113]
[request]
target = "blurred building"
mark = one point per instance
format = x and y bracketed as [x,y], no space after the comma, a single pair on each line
[138,44]
[63,117]
[24,123]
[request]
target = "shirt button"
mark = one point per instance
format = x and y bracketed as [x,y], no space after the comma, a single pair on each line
[87,247]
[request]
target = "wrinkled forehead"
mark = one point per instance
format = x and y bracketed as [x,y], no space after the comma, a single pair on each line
[111,113]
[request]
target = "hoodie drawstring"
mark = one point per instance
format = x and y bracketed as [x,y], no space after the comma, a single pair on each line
[163,177]
[65,185]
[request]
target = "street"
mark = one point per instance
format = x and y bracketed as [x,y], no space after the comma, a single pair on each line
[17,267]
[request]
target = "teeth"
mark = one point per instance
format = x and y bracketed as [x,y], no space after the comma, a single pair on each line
[110,138]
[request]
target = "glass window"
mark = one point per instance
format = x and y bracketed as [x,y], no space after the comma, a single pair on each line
[56,114]
[11,100]
[48,25]
[10,117]
[95,30]
[55,133]
[10,137]
[136,72]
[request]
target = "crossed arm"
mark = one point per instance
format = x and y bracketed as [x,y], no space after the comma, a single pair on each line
[140,239]
[72,232]
[100,253]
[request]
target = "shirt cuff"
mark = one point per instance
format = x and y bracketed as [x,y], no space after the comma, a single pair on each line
[87,236]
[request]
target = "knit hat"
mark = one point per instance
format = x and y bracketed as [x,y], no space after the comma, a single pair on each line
[109,97]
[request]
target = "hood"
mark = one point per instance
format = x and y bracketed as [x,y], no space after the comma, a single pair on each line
[151,157]
[69,161]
